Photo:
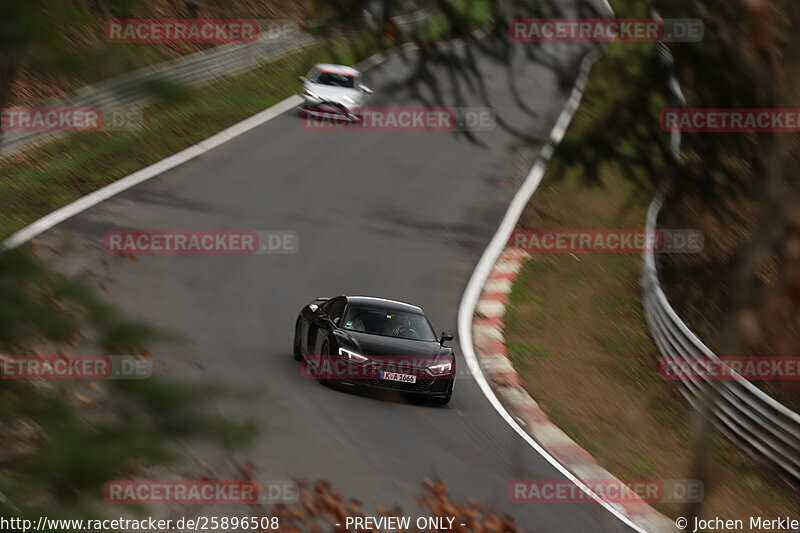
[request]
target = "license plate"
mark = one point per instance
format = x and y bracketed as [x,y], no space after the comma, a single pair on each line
[394,376]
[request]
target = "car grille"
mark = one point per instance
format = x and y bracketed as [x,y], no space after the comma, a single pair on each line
[422,385]
[424,382]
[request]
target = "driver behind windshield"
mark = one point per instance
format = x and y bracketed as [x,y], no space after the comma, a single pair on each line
[397,326]
[356,323]
[379,321]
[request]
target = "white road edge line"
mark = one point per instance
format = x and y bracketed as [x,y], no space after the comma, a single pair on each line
[82,204]
[476,282]
[496,246]
[60,215]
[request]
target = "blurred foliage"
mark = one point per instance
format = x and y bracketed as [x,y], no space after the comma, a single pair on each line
[743,61]
[62,441]
[38,305]
[50,47]
[31,37]
[60,444]
[321,505]
[742,295]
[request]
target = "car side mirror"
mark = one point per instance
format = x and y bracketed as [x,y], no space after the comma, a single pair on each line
[326,319]
[302,79]
[445,337]
[365,89]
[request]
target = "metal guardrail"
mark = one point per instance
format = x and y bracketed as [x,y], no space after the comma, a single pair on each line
[414,21]
[193,70]
[750,417]
[755,421]
[135,88]
[410,21]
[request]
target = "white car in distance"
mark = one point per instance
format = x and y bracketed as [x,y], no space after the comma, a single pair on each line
[333,91]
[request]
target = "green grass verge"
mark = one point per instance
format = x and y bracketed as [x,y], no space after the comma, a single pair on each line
[575,330]
[45,178]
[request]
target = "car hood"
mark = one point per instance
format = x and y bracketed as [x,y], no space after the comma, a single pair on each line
[380,346]
[334,94]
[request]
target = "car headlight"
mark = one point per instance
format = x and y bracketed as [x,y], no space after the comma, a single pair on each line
[348,99]
[352,356]
[312,94]
[441,369]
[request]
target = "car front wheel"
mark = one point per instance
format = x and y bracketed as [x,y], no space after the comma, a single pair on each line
[296,348]
[321,369]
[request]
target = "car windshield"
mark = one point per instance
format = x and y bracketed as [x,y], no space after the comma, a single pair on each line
[388,322]
[335,80]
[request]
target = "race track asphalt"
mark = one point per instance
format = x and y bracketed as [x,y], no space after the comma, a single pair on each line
[402,215]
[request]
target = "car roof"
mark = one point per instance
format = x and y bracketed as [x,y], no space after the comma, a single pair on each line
[337,69]
[384,302]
